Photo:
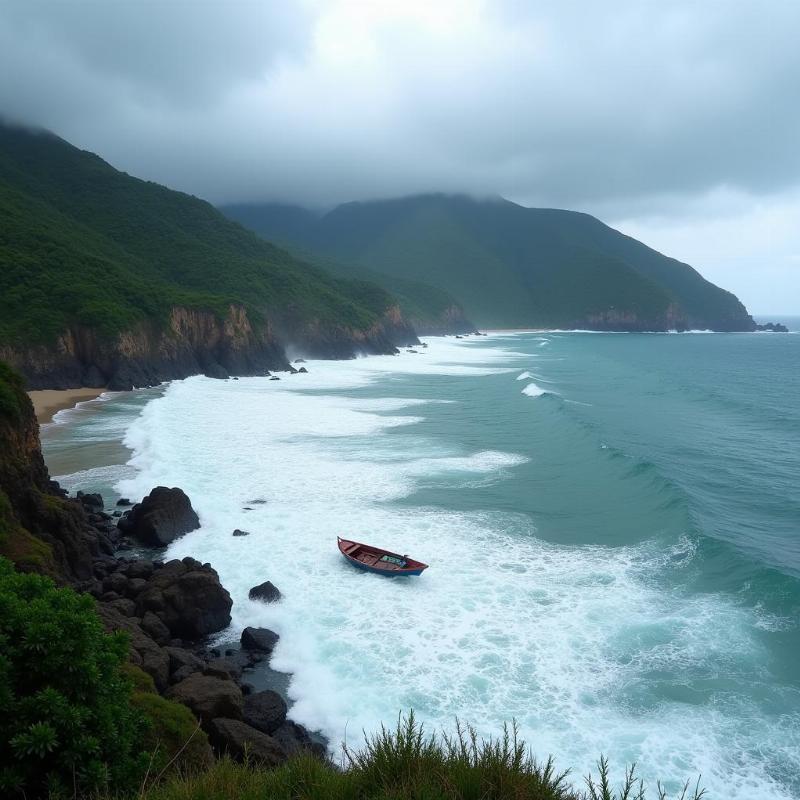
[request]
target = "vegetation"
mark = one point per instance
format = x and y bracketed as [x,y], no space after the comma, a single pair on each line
[85,245]
[406,764]
[67,724]
[507,265]
[420,302]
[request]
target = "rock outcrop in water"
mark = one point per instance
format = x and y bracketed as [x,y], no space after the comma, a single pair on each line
[161,517]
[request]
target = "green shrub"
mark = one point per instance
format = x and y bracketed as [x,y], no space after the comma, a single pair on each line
[173,736]
[67,725]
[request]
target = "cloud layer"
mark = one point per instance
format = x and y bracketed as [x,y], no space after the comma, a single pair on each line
[679,121]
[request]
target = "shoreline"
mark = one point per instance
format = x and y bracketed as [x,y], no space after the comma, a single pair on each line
[48,402]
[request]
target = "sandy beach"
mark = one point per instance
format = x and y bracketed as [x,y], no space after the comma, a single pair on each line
[47,402]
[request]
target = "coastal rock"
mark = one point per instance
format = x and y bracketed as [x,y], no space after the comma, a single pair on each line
[224,668]
[240,532]
[267,592]
[140,569]
[295,738]
[260,639]
[91,502]
[188,598]
[155,628]
[179,658]
[163,516]
[144,652]
[265,711]
[303,370]
[239,740]
[208,696]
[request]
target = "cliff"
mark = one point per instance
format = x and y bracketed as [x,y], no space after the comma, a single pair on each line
[107,280]
[191,342]
[40,530]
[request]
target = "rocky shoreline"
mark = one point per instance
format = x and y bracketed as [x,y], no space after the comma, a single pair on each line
[169,610]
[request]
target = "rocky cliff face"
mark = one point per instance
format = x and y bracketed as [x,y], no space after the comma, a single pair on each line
[39,529]
[451,320]
[612,320]
[195,342]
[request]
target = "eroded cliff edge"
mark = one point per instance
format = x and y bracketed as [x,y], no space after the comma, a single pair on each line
[193,341]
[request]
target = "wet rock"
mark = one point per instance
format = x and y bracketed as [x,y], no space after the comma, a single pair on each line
[267,592]
[155,628]
[302,369]
[265,711]
[295,738]
[180,658]
[163,516]
[240,532]
[208,696]
[188,598]
[238,740]
[140,569]
[224,668]
[123,501]
[91,502]
[274,378]
[260,639]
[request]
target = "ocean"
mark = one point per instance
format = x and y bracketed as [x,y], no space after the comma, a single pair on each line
[612,523]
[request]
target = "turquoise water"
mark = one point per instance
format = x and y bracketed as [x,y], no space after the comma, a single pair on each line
[612,523]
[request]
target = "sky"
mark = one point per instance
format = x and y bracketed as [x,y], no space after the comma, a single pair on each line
[676,121]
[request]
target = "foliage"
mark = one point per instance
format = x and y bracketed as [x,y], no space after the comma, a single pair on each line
[507,265]
[67,724]
[173,737]
[12,393]
[407,764]
[85,245]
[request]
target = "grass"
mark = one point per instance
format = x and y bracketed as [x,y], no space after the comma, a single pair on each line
[406,763]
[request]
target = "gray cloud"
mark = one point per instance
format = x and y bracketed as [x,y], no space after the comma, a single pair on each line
[642,112]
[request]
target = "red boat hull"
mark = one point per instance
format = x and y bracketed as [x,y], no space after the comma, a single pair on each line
[381,562]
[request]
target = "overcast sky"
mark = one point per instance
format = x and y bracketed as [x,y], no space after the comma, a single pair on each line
[677,122]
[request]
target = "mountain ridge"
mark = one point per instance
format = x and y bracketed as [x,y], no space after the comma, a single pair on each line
[509,265]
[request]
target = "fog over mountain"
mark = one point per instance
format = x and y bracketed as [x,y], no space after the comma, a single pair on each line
[677,123]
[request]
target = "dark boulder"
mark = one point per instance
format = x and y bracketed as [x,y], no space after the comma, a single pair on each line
[224,668]
[163,516]
[241,741]
[123,501]
[240,532]
[143,651]
[302,369]
[188,598]
[180,658]
[261,639]
[155,628]
[91,502]
[267,592]
[140,569]
[265,711]
[208,696]
[295,738]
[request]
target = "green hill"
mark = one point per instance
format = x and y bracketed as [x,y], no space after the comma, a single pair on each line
[511,266]
[431,310]
[88,253]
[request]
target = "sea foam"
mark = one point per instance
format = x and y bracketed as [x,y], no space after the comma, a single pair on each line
[503,625]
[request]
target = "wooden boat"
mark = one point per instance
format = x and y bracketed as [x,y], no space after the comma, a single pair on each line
[382,562]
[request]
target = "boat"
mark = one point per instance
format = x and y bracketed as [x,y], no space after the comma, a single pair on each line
[381,562]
